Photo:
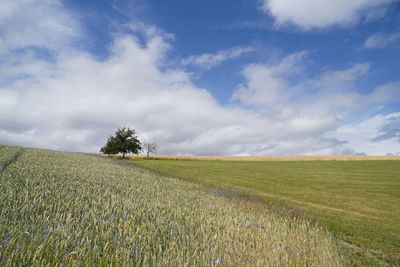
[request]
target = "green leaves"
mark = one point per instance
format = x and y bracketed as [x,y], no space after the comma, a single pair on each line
[125,141]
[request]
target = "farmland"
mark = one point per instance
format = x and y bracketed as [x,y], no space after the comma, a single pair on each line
[62,209]
[358,201]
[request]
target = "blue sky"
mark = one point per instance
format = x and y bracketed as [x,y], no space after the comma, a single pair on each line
[208,26]
[207,77]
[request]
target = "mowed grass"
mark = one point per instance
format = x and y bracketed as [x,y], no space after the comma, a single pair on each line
[358,201]
[60,209]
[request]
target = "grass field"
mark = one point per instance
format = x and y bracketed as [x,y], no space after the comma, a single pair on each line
[60,209]
[358,201]
[269,158]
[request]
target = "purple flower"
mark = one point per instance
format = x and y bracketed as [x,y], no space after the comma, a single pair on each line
[45,231]
[43,238]
[6,240]
[4,258]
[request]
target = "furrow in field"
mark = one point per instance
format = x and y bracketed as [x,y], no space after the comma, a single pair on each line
[8,158]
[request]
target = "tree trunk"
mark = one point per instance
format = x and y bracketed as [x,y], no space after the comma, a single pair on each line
[148,152]
[123,155]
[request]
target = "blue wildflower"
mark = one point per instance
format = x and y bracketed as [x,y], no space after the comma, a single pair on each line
[6,240]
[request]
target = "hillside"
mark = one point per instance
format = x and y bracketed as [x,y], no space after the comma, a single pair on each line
[71,209]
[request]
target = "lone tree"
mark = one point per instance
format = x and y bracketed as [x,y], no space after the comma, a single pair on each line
[150,147]
[125,141]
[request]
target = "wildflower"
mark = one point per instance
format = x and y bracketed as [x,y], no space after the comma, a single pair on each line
[6,240]
[45,231]
[43,238]
[4,258]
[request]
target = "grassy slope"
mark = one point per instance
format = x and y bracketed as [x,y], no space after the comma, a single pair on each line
[357,200]
[76,210]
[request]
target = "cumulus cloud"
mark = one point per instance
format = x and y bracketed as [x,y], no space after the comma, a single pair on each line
[312,105]
[72,100]
[309,14]
[377,135]
[391,129]
[266,84]
[211,60]
[41,24]
[382,40]
[287,89]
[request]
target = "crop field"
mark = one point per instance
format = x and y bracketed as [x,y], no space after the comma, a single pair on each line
[62,209]
[357,201]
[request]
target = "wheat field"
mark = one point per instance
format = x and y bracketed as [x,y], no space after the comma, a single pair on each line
[60,209]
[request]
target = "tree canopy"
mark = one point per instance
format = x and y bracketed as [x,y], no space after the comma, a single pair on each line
[124,141]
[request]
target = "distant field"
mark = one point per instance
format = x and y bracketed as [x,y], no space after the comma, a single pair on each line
[270,158]
[359,201]
[61,209]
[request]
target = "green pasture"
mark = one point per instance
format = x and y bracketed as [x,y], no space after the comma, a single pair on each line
[358,201]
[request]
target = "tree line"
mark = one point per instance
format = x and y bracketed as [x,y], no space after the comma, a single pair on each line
[125,141]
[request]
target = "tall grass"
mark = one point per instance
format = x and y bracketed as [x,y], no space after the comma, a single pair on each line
[62,209]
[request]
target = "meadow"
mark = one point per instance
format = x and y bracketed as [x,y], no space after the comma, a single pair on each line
[356,200]
[63,209]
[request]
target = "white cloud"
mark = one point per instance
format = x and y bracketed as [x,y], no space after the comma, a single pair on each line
[32,23]
[391,129]
[309,14]
[343,77]
[208,61]
[76,101]
[382,40]
[285,88]
[374,136]
[266,84]
[311,106]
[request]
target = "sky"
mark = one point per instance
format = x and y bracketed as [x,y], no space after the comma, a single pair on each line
[211,77]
